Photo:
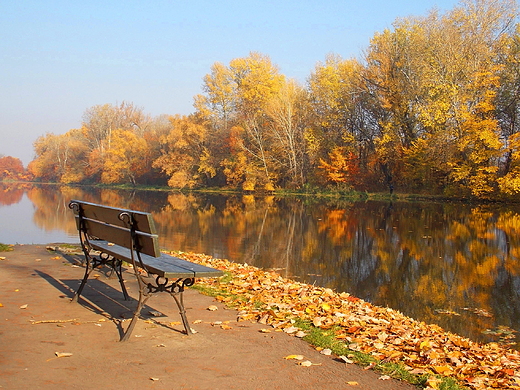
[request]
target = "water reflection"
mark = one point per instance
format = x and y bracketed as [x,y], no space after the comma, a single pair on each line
[451,264]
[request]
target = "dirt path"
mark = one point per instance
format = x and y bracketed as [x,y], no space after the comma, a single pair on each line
[230,355]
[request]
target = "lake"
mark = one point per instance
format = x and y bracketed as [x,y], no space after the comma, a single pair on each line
[453,264]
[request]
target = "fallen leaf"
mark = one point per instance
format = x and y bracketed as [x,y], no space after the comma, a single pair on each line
[305,363]
[296,357]
[352,383]
[225,327]
[291,329]
[264,331]
[300,334]
[24,306]
[212,308]
[197,321]
[63,354]
[154,379]
[160,345]
[384,377]
[346,360]
[443,370]
[326,352]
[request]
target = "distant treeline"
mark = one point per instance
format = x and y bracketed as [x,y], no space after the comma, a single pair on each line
[433,106]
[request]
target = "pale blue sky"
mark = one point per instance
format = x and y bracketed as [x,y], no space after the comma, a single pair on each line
[58,58]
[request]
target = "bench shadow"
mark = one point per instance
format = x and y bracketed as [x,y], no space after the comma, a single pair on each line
[104,300]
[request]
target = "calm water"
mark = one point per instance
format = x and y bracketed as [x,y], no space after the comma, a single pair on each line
[452,264]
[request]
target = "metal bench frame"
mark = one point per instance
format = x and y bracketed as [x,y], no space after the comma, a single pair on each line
[121,235]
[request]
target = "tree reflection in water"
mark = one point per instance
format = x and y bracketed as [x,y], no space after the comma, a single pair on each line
[453,264]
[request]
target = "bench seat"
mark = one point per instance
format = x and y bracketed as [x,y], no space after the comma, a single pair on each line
[165,266]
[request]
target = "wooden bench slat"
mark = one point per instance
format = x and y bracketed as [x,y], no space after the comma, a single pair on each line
[110,215]
[121,236]
[103,222]
[165,265]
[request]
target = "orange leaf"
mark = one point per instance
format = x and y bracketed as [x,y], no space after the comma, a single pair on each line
[443,370]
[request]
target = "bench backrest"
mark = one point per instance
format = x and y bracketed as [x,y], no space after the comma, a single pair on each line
[115,225]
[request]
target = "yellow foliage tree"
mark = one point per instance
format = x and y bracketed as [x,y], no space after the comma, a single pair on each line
[127,159]
[184,158]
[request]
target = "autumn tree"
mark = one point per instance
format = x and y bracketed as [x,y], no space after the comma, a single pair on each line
[286,112]
[435,78]
[237,96]
[99,124]
[341,168]
[127,160]
[339,117]
[11,168]
[60,158]
[508,111]
[184,157]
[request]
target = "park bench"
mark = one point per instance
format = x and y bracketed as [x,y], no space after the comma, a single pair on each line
[110,236]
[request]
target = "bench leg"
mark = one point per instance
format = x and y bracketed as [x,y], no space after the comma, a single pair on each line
[182,311]
[88,270]
[143,297]
[175,289]
[117,267]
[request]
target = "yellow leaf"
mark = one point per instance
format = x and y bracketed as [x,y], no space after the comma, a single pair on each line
[352,383]
[325,307]
[425,345]
[295,357]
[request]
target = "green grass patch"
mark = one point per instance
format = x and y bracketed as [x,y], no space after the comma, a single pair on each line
[5,248]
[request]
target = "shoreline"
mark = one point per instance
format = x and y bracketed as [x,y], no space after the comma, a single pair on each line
[365,332]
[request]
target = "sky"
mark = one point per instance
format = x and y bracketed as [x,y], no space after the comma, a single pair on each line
[59,58]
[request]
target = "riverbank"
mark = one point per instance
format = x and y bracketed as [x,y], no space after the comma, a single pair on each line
[372,336]
[49,342]
[263,324]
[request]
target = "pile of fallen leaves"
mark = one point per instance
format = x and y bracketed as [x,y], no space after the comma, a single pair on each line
[386,334]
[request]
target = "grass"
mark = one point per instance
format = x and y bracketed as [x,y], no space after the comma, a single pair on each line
[5,248]
[325,339]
